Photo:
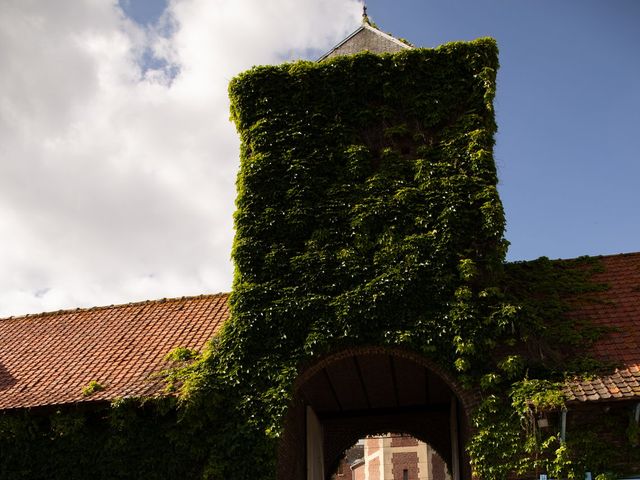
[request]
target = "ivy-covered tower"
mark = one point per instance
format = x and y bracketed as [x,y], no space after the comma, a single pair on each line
[367,217]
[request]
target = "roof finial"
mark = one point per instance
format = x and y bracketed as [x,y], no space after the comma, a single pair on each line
[365,17]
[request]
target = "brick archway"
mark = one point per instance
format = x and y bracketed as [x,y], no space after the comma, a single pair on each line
[370,390]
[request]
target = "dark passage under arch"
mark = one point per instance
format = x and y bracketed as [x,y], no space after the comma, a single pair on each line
[366,391]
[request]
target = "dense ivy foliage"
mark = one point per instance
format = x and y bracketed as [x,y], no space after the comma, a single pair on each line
[544,348]
[367,214]
[367,206]
[127,440]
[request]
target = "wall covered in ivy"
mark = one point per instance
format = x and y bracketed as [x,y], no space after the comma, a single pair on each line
[367,214]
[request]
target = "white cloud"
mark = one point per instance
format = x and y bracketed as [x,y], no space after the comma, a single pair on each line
[116,183]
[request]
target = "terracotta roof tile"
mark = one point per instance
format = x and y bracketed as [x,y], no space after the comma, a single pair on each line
[618,307]
[49,358]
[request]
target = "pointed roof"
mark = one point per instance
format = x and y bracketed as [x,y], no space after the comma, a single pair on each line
[366,38]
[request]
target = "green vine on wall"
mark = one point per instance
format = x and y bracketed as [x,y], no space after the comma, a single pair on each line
[367,214]
[551,346]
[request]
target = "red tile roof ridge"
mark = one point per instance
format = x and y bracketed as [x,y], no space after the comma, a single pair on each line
[115,306]
[609,255]
[222,294]
[579,257]
[49,358]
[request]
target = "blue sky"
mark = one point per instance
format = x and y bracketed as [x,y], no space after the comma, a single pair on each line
[568,110]
[568,107]
[118,159]
[144,12]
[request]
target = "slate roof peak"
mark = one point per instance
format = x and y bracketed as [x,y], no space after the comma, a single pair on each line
[367,37]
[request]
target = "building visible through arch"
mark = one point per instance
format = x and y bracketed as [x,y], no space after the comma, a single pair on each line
[392,456]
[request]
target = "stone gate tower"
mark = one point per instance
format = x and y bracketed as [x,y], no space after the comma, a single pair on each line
[368,223]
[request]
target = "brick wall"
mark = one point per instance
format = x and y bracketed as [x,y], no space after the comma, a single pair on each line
[373,469]
[438,467]
[344,471]
[340,434]
[608,421]
[403,441]
[405,461]
[371,445]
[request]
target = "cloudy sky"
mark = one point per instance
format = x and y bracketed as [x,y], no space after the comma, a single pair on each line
[118,160]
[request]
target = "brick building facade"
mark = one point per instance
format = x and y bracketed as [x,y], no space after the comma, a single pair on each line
[395,457]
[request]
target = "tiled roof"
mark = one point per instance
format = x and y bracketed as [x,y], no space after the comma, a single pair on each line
[618,309]
[49,358]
